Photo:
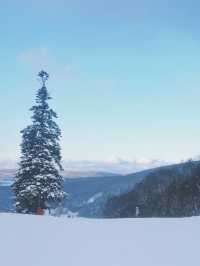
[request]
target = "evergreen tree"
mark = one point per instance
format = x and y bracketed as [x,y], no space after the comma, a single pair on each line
[38,183]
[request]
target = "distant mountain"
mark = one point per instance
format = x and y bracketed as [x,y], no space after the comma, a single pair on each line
[172,191]
[114,195]
[87,195]
[83,174]
[6,175]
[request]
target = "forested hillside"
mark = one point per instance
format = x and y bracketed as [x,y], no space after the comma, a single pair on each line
[168,192]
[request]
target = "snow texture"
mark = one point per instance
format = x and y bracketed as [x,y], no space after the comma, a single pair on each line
[95,197]
[48,241]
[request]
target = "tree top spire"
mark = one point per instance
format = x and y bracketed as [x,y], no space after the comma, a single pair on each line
[44,76]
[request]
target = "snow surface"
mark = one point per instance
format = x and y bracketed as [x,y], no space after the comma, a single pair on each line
[27,240]
[95,197]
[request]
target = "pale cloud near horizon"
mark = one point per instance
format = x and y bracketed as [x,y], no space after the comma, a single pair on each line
[116,165]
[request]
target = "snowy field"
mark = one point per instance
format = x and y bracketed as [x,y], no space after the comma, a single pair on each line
[47,241]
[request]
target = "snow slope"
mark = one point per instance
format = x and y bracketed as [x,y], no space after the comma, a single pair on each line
[47,241]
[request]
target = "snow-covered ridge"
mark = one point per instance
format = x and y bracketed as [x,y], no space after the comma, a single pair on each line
[47,241]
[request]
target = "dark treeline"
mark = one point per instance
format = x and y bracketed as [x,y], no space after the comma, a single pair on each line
[169,192]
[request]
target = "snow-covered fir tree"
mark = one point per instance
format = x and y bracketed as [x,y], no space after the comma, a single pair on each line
[38,183]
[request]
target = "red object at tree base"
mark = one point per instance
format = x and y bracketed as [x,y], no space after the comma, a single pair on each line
[40,211]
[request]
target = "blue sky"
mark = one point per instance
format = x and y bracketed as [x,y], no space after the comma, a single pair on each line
[124,75]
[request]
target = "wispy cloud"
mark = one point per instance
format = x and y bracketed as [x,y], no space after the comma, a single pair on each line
[115,165]
[118,165]
[35,58]
[44,58]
